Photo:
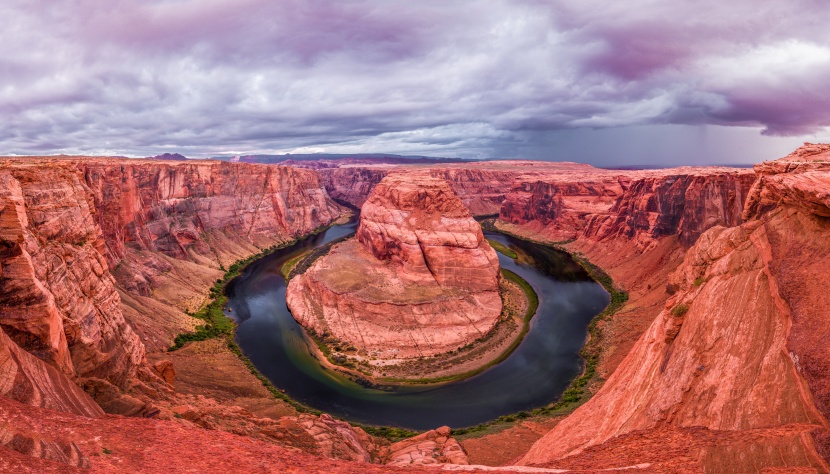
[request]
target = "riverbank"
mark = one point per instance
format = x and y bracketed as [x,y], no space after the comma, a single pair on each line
[582,387]
[217,326]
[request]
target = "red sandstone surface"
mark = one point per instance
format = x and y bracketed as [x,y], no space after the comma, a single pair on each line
[418,280]
[718,362]
[726,352]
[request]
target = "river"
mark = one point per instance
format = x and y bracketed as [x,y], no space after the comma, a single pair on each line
[535,374]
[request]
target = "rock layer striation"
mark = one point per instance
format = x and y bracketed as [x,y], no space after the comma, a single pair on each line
[418,280]
[98,254]
[735,354]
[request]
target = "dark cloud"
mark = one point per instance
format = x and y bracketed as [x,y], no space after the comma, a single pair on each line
[466,78]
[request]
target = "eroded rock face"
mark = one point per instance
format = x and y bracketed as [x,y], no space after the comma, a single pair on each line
[352,185]
[481,189]
[558,206]
[29,380]
[192,211]
[643,206]
[57,298]
[737,345]
[419,279]
[480,186]
[678,202]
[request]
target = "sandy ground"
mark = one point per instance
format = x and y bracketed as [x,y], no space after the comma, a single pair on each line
[209,368]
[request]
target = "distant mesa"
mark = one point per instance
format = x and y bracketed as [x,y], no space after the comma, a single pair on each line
[418,280]
[168,157]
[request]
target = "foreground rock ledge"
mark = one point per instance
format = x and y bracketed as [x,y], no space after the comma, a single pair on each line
[419,280]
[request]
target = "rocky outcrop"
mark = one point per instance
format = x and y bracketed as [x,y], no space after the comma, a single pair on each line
[799,180]
[737,349]
[420,279]
[29,380]
[420,224]
[427,449]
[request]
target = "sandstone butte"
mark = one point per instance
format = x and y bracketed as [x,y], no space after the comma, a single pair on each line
[418,280]
[717,363]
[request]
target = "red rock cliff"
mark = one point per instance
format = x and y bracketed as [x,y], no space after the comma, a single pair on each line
[352,185]
[480,186]
[190,211]
[558,205]
[57,297]
[636,205]
[682,202]
[737,349]
[163,228]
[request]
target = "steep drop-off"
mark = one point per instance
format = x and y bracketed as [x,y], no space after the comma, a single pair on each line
[636,225]
[682,202]
[418,280]
[58,299]
[733,362]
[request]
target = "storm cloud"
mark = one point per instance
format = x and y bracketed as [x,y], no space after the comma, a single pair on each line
[467,78]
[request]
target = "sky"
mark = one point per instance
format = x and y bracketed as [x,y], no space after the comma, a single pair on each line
[639,82]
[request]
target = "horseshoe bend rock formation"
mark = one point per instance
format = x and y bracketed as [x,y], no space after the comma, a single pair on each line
[737,360]
[418,280]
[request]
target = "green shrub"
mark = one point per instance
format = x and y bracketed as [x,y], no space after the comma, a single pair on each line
[680,309]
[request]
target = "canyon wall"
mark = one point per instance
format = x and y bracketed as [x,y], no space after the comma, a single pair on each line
[557,206]
[351,185]
[481,186]
[82,239]
[678,202]
[735,354]
[642,206]
[201,211]
[58,299]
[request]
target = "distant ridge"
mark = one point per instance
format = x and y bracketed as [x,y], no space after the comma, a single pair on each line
[659,167]
[319,160]
[168,157]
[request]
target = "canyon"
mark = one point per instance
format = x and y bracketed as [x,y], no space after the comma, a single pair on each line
[717,362]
